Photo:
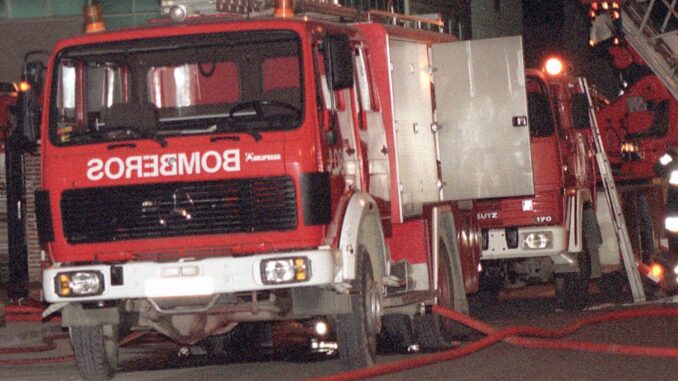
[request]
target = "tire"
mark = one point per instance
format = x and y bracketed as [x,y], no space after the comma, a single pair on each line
[96,351]
[433,331]
[396,333]
[357,332]
[613,287]
[490,285]
[572,289]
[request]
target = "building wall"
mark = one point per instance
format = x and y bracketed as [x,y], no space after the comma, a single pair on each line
[28,25]
[496,18]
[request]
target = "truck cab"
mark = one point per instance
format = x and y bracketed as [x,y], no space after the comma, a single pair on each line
[539,237]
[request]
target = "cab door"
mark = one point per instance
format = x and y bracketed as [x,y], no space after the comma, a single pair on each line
[413,120]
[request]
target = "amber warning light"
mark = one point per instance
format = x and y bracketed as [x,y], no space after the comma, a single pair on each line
[22,86]
[94,20]
[283,8]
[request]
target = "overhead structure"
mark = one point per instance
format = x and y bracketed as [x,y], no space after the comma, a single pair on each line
[651,27]
[323,9]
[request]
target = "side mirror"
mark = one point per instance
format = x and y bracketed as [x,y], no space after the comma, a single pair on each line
[338,61]
[580,111]
[29,101]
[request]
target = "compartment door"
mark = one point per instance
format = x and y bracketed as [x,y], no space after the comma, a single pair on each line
[481,109]
[413,116]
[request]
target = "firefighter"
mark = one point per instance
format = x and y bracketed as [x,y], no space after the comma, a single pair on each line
[667,167]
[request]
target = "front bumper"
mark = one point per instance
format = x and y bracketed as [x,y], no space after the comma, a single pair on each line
[498,248]
[192,277]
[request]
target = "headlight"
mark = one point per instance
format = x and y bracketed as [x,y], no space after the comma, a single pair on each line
[673,177]
[630,151]
[665,160]
[321,327]
[538,240]
[285,270]
[79,283]
[671,224]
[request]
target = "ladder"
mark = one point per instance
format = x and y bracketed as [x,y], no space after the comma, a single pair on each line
[614,204]
[651,27]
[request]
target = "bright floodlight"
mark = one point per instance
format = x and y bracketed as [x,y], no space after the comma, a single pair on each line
[554,66]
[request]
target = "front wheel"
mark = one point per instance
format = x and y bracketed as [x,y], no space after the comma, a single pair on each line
[357,332]
[96,350]
[433,331]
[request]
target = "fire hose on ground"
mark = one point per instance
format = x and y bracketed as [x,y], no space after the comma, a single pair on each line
[524,336]
[31,312]
[529,337]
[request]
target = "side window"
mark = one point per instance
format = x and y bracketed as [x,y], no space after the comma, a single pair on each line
[194,84]
[277,79]
[66,95]
[539,109]
[105,87]
[281,80]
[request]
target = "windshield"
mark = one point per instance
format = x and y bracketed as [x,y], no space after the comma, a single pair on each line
[201,84]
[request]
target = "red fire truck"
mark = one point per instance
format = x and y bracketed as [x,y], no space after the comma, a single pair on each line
[555,230]
[206,175]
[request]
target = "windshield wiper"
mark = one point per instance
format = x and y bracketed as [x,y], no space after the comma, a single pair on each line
[140,118]
[229,127]
[141,132]
[145,133]
[82,135]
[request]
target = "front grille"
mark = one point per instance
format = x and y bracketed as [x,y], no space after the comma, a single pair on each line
[177,209]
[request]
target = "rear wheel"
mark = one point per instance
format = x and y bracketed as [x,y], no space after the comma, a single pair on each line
[357,332]
[491,283]
[433,331]
[96,350]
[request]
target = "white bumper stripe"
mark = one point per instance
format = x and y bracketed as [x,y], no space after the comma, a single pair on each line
[194,277]
[497,248]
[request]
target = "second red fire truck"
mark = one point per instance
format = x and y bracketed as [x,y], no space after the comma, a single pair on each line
[552,234]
